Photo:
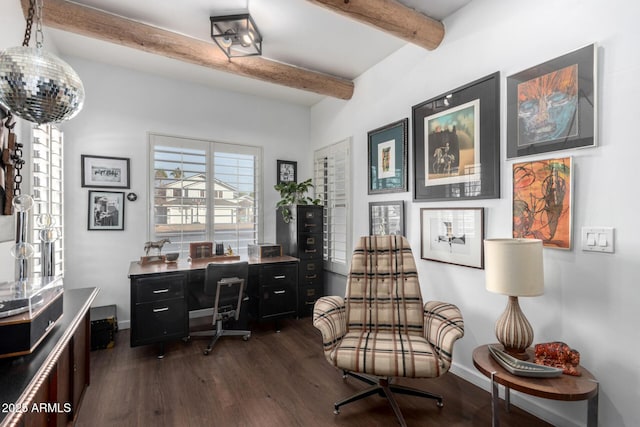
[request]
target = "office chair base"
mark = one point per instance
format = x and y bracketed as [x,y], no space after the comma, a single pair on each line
[384,388]
[219,332]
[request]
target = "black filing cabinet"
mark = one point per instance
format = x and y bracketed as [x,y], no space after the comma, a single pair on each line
[274,289]
[301,237]
[158,308]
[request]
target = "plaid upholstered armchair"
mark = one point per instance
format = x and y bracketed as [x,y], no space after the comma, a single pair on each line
[381,330]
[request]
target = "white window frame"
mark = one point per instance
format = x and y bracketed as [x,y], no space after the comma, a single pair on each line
[209,147]
[332,183]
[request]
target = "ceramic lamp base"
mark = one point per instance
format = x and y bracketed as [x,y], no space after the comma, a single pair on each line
[514,331]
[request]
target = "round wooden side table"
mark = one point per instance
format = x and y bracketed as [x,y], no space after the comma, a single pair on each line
[564,387]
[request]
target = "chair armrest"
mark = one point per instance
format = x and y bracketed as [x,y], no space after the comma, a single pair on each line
[329,316]
[443,325]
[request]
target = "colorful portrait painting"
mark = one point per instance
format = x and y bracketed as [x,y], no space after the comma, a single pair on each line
[452,151]
[542,201]
[548,106]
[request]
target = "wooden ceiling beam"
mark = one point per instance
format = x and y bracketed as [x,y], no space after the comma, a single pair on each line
[392,17]
[104,26]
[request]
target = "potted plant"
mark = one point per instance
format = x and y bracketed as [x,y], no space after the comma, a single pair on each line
[294,193]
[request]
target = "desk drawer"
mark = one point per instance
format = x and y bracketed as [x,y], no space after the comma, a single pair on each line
[161,287]
[277,301]
[160,320]
[283,275]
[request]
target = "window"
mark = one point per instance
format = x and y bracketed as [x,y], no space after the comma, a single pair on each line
[332,181]
[46,190]
[204,191]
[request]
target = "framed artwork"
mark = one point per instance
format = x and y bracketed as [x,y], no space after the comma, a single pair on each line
[201,250]
[453,236]
[542,201]
[106,210]
[386,218]
[387,148]
[552,106]
[105,172]
[456,143]
[287,171]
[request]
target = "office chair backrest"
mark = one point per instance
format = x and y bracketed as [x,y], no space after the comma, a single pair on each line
[383,291]
[230,296]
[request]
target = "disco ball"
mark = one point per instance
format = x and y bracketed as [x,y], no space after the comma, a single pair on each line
[38,86]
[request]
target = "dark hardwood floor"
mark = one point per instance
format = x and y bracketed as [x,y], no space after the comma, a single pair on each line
[273,379]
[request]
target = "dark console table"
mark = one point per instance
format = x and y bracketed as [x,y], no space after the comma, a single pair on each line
[45,387]
[162,294]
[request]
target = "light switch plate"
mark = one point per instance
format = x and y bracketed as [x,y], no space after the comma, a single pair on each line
[598,239]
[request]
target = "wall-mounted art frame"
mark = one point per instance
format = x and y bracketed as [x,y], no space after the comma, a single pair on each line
[542,201]
[106,210]
[553,106]
[453,236]
[387,153]
[105,172]
[287,171]
[386,218]
[456,143]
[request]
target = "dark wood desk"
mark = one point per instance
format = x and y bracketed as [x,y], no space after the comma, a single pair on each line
[162,294]
[564,387]
[55,375]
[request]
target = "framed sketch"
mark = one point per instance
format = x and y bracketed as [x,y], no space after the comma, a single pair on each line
[386,218]
[388,158]
[287,171]
[453,236]
[456,143]
[106,210]
[542,201]
[105,172]
[552,106]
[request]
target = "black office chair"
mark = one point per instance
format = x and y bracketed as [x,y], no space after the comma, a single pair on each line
[226,282]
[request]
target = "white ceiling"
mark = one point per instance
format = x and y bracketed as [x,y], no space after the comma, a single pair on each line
[296,32]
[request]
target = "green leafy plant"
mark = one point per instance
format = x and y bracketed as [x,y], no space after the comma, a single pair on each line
[294,193]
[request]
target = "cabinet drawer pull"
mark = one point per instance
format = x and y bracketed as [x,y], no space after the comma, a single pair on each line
[280,277]
[158,310]
[279,292]
[310,303]
[161,291]
[313,276]
[310,225]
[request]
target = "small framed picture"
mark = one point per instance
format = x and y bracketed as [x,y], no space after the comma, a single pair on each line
[386,218]
[106,210]
[453,236]
[387,148]
[105,172]
[287,171]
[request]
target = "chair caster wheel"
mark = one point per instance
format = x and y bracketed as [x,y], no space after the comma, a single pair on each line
[206,352]
[246,338]
[336,411]
[440,404]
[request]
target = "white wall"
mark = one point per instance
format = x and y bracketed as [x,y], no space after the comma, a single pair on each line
[590,299]
[121,107]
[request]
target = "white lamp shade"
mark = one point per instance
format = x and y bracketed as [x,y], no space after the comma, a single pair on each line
[514,267]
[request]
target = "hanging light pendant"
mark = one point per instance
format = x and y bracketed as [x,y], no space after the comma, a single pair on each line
[35,84]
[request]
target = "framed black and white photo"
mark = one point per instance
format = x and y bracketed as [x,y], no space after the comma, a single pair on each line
[105,172]
[387,153]
[386,218]
[106,210]
[287,171]
[456,143]
[453,235]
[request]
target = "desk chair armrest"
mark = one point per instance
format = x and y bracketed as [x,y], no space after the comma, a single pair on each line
[443,325]
[329,316]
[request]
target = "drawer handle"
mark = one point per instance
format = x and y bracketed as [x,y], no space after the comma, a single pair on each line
[279,292]
[50,325]
[313,276]
[280,277]
[310,225]
[159,310]
[161,291]
[310,303]
[310,251]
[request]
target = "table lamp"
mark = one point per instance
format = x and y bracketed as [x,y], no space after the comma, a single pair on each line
[513,267]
